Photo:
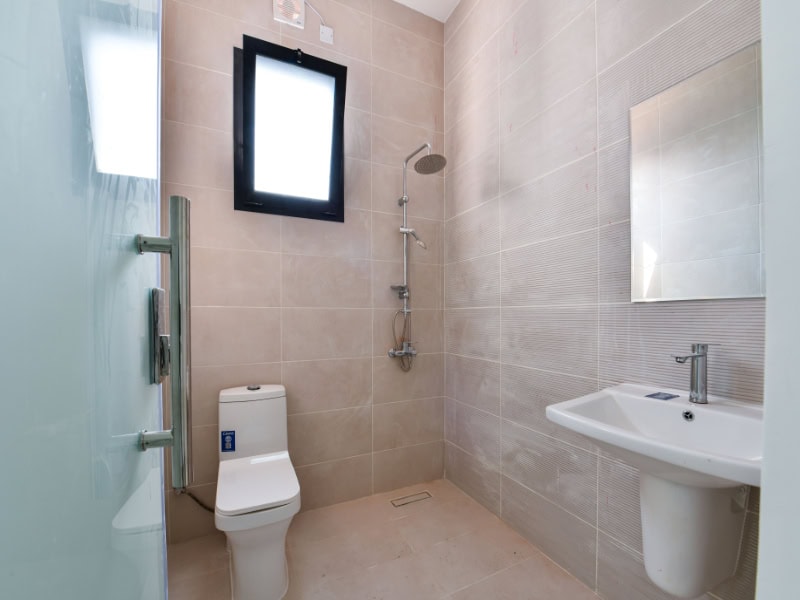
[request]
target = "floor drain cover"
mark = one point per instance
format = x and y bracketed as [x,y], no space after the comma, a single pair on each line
[398,502]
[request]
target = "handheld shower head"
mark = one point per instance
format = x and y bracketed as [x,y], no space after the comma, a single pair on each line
[413,233]
[430,163]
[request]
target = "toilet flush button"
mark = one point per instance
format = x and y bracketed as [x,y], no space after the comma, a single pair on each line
[253,388]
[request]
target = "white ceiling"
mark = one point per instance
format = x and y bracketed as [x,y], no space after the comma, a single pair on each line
[438,9]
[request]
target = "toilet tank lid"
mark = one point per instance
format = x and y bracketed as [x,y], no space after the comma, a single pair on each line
[249,393]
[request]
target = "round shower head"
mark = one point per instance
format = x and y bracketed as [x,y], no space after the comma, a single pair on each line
[430,163]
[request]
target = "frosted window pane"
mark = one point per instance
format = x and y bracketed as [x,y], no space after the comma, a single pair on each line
[293,130]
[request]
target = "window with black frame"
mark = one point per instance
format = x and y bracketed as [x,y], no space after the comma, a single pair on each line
[289,132]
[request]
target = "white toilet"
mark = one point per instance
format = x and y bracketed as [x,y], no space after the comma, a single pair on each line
[257,489]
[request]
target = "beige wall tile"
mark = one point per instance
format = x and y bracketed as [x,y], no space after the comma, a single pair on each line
[207,382]
[235,278]
[474,134]
[392,384]
[480,481]
[475,182]
[331,482]
[310,237]
[404,52]
[407,423]
[311,333]
[474,382]
[618,510]
[407,100]
[424,191]
[473,283]
[393,141]
[402,16]
[197,96]
[474,233]
[405,466]
[387,241]
[357,184]
[424,280]
[205,454]
[244,10]
[473,332]
[330,435]
[229,336]
[186,520]
[357,133]
[196,156]
[477,80]
[320,385]
[426,331]
[474,431]
[351,28]
[325,282]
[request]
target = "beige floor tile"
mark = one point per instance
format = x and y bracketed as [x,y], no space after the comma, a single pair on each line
[537,578]
[197,557]
[215,585]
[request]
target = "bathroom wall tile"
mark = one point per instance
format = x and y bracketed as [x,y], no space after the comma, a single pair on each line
[618,511]
[205,454]
[406,53]
[560,135]
[474,134]
[351,26]
[475,182]
[214,223]
[411,20]
[474,431]
[387,242]
[424,280]
[556,339]
[357,133]
[320,385]
[473,332]
[614,261]
[196,156]
[457,18]
[207,382]
[245,10]
[407,423]
[626,25]
[393,141]
[426,331]
[407,100]
[614,190]
[477,80]
[528,392]
[473,382]
[186,520]
[479,480]
[473,283]
[560,203]
[336,481]
[229,336]
[566,539]
[185,24]
[536,22]
[392,384]
[357,184]
[324,436]
[742,586]
[310,237]
[197,96]
[474,233]
[310,333]
[560,66]
[636,340]
[235,277]
[325,282]
[562,473]
[405,466]
[426,192]
[555,272]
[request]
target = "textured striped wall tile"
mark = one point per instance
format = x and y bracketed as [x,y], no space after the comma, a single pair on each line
[562,473]
[614,187]
[473,381]
[476,81]
[558,271]
[715,31]
[614,263]
[480,481]
[474,431]
[472,234]
[554,339]
[528,392]
[636,341]
[619,513]
[473,332]
[559,203]
[473,283]
[472,184]
[474,133]
[401,467]
[562,134]
[565,538]
[742,586]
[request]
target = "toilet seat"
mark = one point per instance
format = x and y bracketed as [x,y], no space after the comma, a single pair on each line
[255,491]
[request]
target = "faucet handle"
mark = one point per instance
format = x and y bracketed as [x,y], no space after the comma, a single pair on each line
[698,351]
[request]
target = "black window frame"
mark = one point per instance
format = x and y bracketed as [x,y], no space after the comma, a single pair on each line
[245,197]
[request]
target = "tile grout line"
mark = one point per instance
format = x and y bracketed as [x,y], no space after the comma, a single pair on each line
[597,310]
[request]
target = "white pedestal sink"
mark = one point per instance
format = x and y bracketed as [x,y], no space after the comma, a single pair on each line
[694,460]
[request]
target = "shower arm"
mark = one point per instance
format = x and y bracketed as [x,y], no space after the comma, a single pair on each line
[404,199]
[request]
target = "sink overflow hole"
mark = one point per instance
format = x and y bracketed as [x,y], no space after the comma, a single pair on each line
[398,502]
[688,415]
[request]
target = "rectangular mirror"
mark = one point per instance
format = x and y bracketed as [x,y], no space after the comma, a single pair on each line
[696,197]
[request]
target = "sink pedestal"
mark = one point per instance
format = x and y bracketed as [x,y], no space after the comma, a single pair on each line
[690,535]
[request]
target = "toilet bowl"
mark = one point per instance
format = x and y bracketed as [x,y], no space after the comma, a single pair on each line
[257,489]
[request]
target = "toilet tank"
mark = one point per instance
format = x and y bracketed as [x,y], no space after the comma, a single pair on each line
[252,421]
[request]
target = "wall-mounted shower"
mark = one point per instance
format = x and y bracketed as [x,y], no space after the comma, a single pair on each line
[403,346]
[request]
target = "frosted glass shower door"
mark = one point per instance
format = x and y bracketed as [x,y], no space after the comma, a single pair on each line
[81,507]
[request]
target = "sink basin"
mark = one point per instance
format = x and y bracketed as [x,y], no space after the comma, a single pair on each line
[693,460]
[717,445]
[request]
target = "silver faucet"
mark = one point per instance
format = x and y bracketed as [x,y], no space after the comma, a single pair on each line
[699,377]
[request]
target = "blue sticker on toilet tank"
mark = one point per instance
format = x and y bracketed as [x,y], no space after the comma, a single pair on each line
[227,441]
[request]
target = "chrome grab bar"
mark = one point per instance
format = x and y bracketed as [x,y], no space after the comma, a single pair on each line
[180,436]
